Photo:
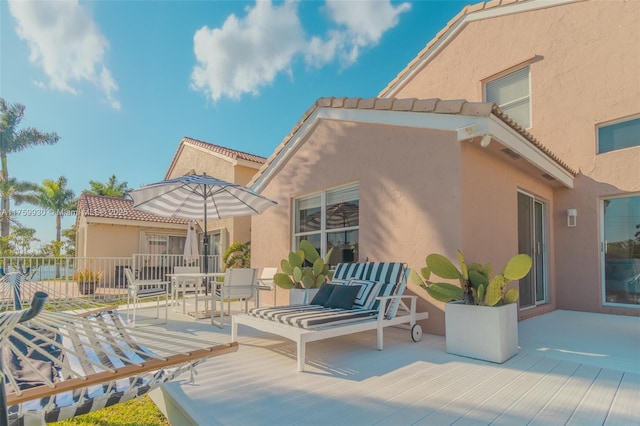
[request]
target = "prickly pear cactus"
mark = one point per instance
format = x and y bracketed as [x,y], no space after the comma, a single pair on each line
[477,286]
[294,272]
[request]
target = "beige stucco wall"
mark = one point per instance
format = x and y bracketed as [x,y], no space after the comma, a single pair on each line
[204,161]
[118,240]
[584,62]
[490,185]
[421,191]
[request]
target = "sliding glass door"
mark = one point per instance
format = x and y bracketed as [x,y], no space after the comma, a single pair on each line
[532,241]
[621,251]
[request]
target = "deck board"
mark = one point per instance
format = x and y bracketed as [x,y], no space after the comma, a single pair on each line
[573,375]
[561,405]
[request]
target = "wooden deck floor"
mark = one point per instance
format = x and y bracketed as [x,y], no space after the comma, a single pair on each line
[573,368]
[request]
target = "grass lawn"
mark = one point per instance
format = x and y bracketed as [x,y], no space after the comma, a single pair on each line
[137,412]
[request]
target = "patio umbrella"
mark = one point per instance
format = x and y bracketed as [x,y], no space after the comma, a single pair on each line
[199,197]
[191,253]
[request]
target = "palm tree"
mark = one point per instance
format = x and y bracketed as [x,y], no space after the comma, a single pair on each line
[18,191]
[111,189]
[14,140]
[55,196]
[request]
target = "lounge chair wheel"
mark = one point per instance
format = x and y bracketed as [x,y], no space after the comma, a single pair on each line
[416,333]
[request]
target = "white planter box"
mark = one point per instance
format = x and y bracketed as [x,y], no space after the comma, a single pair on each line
[301,296]
[489,333]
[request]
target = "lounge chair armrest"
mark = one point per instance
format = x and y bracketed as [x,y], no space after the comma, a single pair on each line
[385,299]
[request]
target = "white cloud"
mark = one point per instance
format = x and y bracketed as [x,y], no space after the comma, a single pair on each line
[247,53]
[361,24]
[66,43]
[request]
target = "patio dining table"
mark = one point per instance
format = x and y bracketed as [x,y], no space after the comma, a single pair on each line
[203,276]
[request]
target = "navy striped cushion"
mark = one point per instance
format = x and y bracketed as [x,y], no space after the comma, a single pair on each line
[307,316]
[386,289]
[346,271]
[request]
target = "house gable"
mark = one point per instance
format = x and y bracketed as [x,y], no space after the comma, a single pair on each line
[226,158]
[476,122]
[472,13]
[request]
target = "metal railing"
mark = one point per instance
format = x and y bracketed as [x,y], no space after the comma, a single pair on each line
[95,277]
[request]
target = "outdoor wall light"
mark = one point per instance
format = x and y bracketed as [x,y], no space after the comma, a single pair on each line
[572,217]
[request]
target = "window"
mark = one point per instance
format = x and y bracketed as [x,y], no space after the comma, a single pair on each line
[164,244]
[512,94]
[621,254]
[330,220]
[620,135]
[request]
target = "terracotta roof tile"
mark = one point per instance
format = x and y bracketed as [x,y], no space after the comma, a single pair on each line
[518,128]
[454,21]
[435,105]
[118,208]
[231,153]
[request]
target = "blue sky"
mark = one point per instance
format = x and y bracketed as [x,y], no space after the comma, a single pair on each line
[121,82]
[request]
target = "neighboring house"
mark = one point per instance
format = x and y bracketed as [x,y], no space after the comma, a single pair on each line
[110,227]
[194,156]
[534,149]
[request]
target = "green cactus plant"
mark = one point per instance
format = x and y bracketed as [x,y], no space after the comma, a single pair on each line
[303,268]
[477,286]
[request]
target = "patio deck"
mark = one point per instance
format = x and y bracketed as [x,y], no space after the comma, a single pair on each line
[573,368]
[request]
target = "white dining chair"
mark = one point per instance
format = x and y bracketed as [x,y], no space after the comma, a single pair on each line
[239,283]
[146,289]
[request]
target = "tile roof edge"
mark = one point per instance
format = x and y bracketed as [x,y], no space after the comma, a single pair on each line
[398,81]
[431,105]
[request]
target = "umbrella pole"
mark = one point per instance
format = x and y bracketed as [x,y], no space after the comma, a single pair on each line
[205,239]
[39,299]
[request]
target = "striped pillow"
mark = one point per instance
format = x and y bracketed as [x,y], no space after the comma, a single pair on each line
[367,294]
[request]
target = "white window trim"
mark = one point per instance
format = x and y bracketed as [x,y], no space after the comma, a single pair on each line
[503,74]
[323,217]
[613,123]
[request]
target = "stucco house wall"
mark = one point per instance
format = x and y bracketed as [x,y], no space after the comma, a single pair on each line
[421,191]
[584,64]
[489,191]
[194,156]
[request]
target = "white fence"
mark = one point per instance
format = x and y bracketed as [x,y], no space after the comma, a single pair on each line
[96,277]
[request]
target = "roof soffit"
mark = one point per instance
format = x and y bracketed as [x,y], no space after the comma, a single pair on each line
[468,119]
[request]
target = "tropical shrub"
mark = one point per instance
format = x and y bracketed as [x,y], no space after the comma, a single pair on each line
[238,255]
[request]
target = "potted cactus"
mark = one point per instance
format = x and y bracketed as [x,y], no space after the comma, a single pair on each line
[303,272]
[481,300]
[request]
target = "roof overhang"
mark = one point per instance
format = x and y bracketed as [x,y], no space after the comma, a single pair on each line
[467,127]
[94,220]
[470,14]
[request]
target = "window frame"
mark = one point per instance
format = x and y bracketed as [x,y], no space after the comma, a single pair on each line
[604,251]
[613,123]
[324,230]
[515,101]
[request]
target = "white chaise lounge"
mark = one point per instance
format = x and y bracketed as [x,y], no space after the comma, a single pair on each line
[379,303]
